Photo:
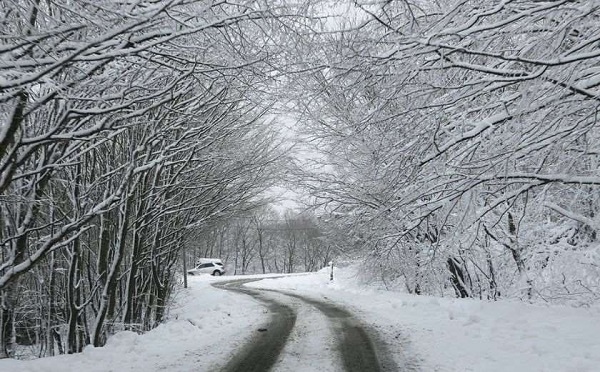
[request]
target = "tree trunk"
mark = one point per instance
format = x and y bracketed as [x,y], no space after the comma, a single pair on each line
[72,297]
[457,277]
[131,278]
[108,292]
[6,322]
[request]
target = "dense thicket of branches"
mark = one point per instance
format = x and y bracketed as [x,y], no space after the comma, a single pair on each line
[462,142]
[261,241]
[121,124]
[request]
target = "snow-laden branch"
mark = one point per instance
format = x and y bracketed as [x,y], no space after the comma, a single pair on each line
[477,129]
[546,178]
[573,215]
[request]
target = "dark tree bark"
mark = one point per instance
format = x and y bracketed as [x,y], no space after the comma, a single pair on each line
[457,278]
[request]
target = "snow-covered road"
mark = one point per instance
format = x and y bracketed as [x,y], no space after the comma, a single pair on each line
[208,326]
[348,344]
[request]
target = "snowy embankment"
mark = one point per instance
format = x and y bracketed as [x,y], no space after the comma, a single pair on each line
[207,325]
[443,334]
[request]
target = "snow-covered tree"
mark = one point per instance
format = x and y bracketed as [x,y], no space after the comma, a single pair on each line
[122,124]
[453,129]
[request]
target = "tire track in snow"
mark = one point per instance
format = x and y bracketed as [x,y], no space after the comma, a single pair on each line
[262,352]
[358,350]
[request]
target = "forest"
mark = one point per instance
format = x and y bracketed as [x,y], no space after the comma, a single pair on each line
[452,150]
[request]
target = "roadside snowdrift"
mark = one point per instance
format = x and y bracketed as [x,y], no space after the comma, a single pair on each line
[204,328]
[444,334]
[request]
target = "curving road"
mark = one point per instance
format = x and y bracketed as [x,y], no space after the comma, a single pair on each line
[262,352]
[358,346]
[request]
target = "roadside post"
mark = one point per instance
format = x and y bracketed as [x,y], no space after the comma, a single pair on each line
[330,271]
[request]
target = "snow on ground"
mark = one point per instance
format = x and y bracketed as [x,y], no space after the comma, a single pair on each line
[203,329]
[444,334]
[311,344]
[433,334]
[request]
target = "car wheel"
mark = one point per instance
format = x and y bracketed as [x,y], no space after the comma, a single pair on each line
[216,273]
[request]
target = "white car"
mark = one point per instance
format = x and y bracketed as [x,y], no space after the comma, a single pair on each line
[215,268]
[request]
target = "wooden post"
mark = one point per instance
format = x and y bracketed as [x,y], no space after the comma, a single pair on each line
[184,261]
[330,271]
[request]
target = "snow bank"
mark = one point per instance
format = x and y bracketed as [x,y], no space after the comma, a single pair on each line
[444,334]
[204,328]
